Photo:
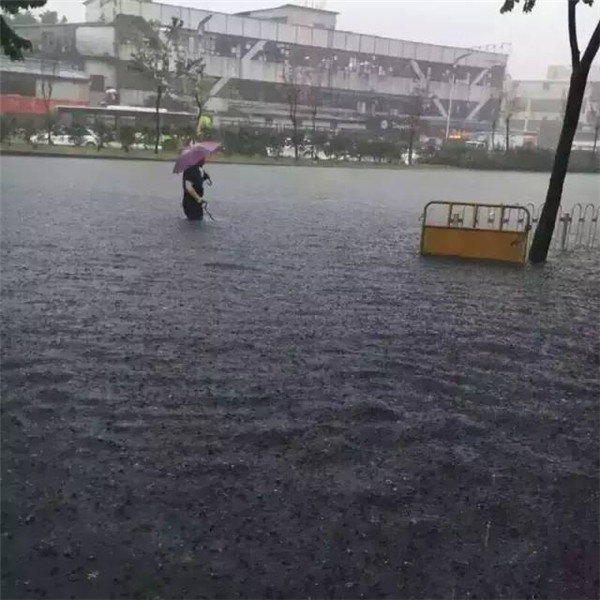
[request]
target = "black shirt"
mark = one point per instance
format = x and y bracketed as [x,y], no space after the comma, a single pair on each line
[196,176]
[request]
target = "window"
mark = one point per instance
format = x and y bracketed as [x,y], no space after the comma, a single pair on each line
[549,106]
[97,83]
[48,40]
[520,104]
[16,83]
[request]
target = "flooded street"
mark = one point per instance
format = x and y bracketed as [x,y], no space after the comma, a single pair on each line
[289,401]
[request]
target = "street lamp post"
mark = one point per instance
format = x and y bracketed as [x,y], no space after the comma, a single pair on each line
[451,99]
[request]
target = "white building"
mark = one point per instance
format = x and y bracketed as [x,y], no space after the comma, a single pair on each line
[539,106]
[363,81]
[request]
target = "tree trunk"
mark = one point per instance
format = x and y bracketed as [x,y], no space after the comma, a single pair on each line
[159,92]
[596,131]
[314,132]
[199,122]
[507,134]
[411,141]
[493,135]
[545,228]
[295,135]
[49,130]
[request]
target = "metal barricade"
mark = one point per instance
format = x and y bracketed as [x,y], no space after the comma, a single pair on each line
[470,230]
[577,228]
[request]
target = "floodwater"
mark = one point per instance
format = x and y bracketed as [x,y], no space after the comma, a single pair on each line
[289,401]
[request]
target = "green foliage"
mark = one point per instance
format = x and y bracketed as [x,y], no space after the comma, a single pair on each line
[126,137]
[246,141]
[529,5]
[508,5]
[12,7]
[276,142]
[7,128]
[518,159]
[12,44]
[381,150]
[340,145]
[29,129]
[148,137]
[171,143]
[319,142]
[104,132]
[76,135]
[186,134]
[49,17]
[22,19]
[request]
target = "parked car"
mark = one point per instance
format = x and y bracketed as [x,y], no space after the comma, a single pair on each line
[64,136]
[416,157]
[140,143]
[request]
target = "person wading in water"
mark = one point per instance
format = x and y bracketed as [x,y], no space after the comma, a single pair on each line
[193,191]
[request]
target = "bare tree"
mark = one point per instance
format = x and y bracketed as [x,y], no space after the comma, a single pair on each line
[509,107]
[498,97]
[49,70]
[419,102]
[314,101]
[160,56]
[187,78]
[151,58]
[294,93]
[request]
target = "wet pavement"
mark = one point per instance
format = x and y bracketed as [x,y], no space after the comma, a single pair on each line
[289,402]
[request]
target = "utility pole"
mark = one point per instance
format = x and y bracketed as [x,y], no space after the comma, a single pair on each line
[453,68]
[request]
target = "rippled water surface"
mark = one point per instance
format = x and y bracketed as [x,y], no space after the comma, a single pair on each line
[289,401]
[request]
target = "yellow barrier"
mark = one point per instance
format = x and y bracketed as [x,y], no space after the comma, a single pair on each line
[460,233]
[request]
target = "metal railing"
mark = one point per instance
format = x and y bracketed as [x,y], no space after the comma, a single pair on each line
[575,229]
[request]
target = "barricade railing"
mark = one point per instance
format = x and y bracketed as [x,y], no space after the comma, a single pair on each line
[472,230]
[576,228]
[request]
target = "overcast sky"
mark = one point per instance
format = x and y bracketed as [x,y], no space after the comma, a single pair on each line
[538,39]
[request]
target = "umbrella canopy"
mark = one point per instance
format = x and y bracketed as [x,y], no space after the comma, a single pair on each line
[193,155]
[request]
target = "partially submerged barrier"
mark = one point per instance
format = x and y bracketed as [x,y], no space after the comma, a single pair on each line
[470,230]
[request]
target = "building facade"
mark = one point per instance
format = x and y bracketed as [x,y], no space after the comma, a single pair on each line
[351,81]
[538,106]
[35,87]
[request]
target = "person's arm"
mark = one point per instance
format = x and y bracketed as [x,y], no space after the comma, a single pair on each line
[189,188]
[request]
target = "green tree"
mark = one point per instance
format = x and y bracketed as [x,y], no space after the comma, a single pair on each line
[418,103]
[580,64]
[29,129]
[49,17]
[104,132]
[294,91]
[50,70]
[76,136]
[12,44]
[339,146]
[276,142]
[315,99]
[508,108]
[7,127]
[126,137]
[319,142]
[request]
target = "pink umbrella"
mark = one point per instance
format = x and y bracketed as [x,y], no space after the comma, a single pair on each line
[193,154]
